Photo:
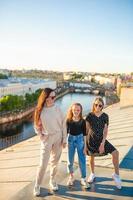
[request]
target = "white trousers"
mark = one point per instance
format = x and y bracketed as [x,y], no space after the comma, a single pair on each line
[50,149]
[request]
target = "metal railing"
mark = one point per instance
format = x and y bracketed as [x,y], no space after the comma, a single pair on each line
[10,140]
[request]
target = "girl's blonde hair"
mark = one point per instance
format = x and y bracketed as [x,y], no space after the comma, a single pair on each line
[70,113]
[97,99]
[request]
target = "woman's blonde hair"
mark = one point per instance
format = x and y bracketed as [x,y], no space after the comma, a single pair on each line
[41,101]
[70,113]
[97,99]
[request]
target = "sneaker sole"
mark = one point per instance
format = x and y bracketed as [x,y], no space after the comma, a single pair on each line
[70,184]
[86,187]
[119,188]
[54,189]
[36,195]
[92,180]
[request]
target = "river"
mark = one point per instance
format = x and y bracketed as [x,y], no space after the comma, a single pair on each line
[18,131]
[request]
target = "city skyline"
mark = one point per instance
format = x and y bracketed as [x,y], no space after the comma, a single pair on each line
[88,36]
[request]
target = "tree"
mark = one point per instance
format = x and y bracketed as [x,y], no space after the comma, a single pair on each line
[14,102]
[3,76]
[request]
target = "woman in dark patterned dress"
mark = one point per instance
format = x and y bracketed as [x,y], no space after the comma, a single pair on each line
[97,145]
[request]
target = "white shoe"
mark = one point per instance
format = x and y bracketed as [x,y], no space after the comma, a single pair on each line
[36,191]
[91,178]
[53,185]
[84,183]
[70,181]
[117,180]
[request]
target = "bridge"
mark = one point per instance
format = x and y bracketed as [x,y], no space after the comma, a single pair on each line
[86,88]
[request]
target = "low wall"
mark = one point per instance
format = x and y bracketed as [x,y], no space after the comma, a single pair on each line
[16,116]
[126,97]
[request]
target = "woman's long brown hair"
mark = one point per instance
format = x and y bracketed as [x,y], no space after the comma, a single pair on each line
[41,101]
[70,114]
[97,99]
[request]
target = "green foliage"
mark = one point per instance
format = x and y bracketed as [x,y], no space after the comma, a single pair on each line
[3,76]
[11,102]
[93,80]
[14,102]
[76,76]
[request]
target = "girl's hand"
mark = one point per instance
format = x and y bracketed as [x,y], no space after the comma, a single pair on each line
[101,148]
[85,151]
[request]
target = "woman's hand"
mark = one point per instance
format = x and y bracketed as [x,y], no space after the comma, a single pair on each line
[64,145]
[43,137]
[39,127]
[101,148]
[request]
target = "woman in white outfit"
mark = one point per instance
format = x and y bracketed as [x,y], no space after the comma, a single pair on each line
[50,125]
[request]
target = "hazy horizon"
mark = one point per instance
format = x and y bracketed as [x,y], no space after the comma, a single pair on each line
[76,71]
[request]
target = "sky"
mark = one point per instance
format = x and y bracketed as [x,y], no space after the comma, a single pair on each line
[67,35]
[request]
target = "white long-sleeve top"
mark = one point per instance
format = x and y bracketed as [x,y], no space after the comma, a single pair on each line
[53,121]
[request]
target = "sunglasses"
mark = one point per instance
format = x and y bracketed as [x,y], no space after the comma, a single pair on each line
[98,105]
[52,97]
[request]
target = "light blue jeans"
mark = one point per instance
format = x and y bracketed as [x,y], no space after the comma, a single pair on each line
[76,142]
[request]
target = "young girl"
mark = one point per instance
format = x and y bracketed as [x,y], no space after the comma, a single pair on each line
[51,127]
[97,126]
[76,129]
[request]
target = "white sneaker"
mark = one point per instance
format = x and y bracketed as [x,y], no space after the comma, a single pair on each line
[91,178]
[70,181]
[53,185]
[36,191]
[117,180]
[84,183]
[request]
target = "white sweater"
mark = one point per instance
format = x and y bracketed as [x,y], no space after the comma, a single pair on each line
[53,121]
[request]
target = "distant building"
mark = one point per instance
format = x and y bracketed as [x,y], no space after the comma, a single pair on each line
[88,78]
[126,96]
[23,86]
[118,88]
[67,75]
[43,74]
[107,82]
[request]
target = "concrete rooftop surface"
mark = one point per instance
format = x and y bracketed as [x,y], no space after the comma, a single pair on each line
[18,165]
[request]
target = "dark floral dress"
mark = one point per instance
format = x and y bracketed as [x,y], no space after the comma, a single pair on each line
[97,125]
